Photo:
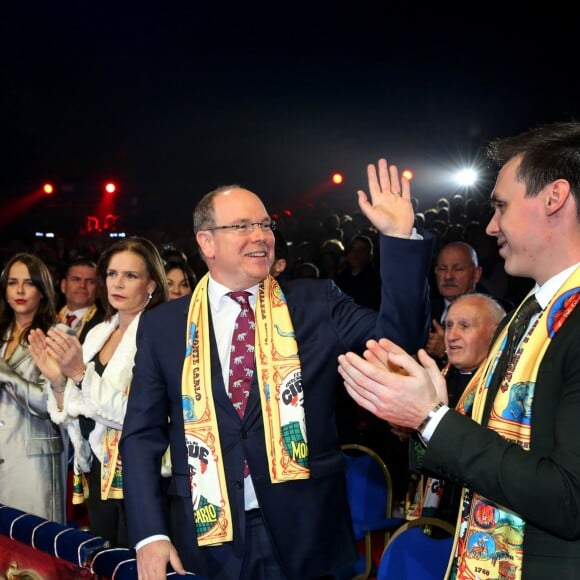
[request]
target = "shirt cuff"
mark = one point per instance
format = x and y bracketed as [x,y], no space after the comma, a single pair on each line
[150,539]
[415,235]
[429,429]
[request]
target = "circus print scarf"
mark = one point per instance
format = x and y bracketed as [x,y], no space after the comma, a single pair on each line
[489,538]
[280,386]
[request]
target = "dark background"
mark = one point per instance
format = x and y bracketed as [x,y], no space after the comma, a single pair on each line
[171,99]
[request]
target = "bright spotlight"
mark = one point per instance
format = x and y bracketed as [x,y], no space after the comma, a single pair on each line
[466,177]
[110,187]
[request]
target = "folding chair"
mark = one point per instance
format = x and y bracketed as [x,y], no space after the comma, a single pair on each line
[370,491]
[413,552]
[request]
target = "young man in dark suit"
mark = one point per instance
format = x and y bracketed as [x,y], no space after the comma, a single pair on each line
[515,445]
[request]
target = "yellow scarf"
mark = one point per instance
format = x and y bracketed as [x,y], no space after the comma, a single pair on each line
[489,537]
[280,385]
[111,470]
[111,466]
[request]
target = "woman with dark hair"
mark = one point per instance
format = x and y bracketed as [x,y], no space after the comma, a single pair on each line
[33,461]
[181,279]
[91,383]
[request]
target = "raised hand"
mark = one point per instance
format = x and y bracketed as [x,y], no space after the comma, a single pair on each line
[390,208]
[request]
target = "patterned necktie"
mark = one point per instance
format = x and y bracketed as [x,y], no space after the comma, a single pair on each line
[70,318]
[242,353]
[515,333]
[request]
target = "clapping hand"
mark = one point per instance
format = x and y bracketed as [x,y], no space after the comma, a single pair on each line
[391,384]
[43,359]
[436,343]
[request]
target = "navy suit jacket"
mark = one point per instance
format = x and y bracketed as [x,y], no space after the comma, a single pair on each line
[308,520]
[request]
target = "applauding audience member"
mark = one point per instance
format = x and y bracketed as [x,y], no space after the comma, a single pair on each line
[32,450]
[512,441]
[93,380]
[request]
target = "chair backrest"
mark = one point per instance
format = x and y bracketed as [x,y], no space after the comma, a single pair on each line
[369,485]
[412,552]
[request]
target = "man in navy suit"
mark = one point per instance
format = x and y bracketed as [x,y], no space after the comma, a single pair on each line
[296,529]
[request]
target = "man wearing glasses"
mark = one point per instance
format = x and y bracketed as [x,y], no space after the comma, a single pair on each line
[252,400]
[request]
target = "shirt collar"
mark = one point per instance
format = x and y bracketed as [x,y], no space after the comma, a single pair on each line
[78,313]
[217,293]
[548,289]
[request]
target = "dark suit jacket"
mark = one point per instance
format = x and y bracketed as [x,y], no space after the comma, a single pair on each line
[95,319]
[364,288]
[542,485]
[308,520]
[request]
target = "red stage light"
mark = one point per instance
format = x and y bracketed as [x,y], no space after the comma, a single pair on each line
[337,178]
[110,187]
[48,188]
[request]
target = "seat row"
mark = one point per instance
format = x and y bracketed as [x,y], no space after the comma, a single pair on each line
[406,549]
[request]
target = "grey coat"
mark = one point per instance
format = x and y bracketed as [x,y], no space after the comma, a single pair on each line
[33,461]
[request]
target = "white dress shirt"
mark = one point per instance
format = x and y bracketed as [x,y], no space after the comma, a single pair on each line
[224,312]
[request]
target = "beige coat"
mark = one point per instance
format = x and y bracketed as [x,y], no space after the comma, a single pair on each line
[33,462]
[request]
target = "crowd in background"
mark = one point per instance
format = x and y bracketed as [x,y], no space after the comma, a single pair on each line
[317,236]
[323,244]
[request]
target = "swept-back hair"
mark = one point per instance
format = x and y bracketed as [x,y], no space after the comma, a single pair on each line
[153,263]
[548,152]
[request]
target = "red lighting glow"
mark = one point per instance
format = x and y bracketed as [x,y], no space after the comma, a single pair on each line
[337,178]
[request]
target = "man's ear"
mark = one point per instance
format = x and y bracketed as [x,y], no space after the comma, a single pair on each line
[205,243]
[477,274]
[558,193]
[279,266]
